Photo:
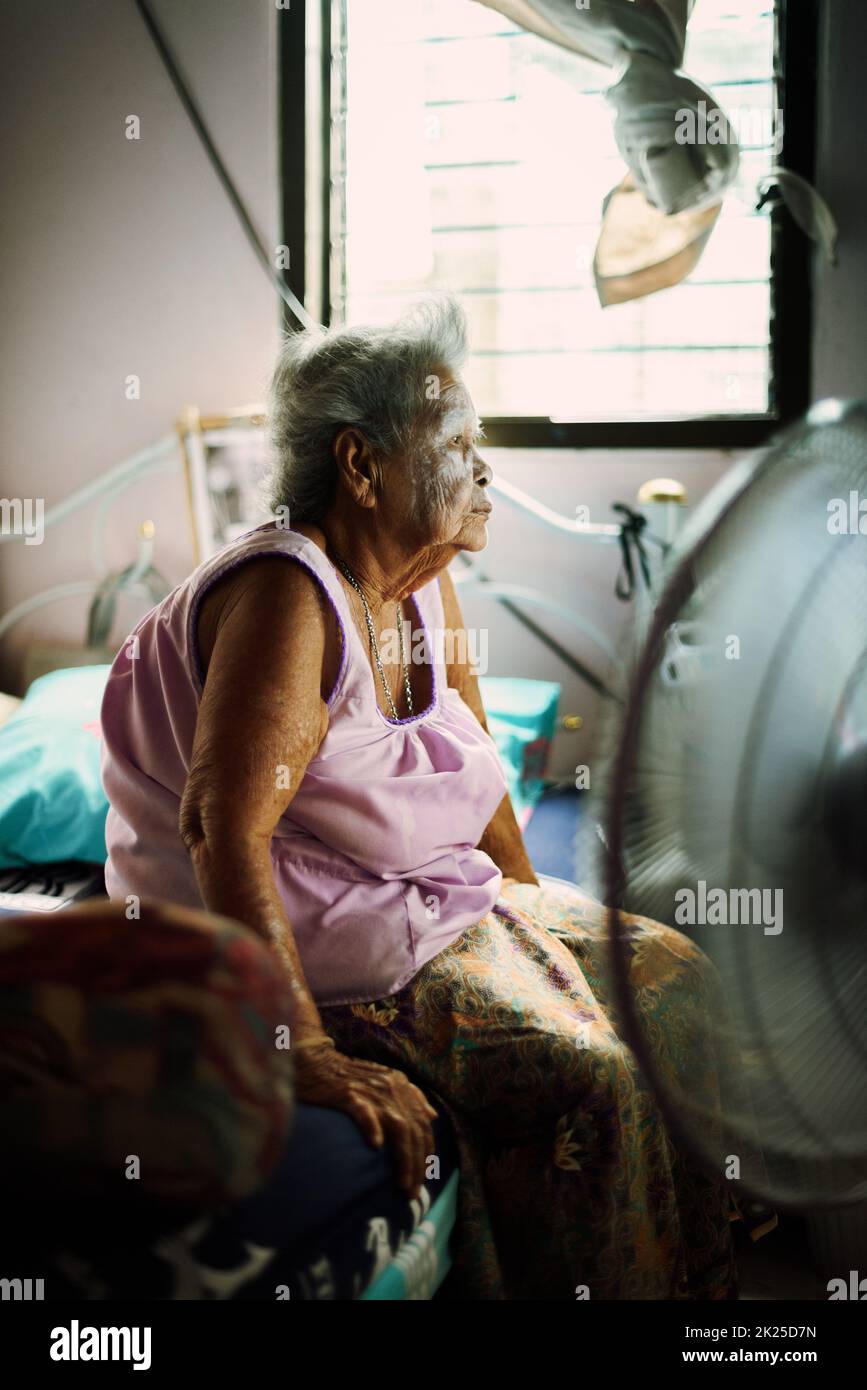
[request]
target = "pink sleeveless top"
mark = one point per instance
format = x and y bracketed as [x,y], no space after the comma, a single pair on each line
[375,858]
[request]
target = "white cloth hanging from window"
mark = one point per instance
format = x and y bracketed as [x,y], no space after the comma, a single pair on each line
[657,222]
[643,43]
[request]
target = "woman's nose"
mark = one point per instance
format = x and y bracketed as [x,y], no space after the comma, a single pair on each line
[482,472]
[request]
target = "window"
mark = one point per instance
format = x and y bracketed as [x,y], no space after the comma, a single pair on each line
[469,154]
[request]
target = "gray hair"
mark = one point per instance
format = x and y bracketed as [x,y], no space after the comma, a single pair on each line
[381,379]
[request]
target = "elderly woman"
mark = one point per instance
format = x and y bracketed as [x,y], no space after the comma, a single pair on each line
[287,745]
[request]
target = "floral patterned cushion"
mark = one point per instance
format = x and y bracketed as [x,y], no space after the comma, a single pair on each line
[138,1058]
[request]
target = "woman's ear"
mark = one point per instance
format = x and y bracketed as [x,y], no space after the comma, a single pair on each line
[357,469]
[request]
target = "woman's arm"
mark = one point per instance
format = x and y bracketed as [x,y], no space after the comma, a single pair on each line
[261,720]
[502,839]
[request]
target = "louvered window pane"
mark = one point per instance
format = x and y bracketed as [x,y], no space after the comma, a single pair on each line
[477,157]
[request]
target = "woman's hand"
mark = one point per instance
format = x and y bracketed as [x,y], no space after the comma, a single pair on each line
[383,1102]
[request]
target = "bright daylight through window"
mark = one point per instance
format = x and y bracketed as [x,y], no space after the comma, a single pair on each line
[505,148]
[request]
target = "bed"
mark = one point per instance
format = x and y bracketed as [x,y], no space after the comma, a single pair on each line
[328,1221]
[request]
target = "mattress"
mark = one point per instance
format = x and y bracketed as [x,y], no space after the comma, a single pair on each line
[329,1224]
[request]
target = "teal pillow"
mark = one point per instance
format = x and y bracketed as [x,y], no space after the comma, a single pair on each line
[52,805]
[522,718]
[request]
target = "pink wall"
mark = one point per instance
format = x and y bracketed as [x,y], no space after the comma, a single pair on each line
[123,257]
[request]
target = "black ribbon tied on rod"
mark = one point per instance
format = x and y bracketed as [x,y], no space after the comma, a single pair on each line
[632,550]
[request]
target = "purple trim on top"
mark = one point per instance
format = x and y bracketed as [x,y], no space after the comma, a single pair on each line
[236,563]
[507,912]
[344,652]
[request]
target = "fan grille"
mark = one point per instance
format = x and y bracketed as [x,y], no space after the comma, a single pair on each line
[734,810]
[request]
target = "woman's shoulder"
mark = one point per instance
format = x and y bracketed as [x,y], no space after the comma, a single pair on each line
[241,564]
[251,589]
[270,536]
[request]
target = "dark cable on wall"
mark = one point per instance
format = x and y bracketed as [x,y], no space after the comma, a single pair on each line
[189,105]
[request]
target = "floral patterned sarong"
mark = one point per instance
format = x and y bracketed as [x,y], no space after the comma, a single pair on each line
[571,1186]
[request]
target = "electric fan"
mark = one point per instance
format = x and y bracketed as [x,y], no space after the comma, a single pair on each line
[736,811]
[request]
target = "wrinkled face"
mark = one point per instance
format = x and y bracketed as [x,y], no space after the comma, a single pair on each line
[450,502]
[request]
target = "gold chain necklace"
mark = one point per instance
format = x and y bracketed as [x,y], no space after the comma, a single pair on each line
[350,577]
